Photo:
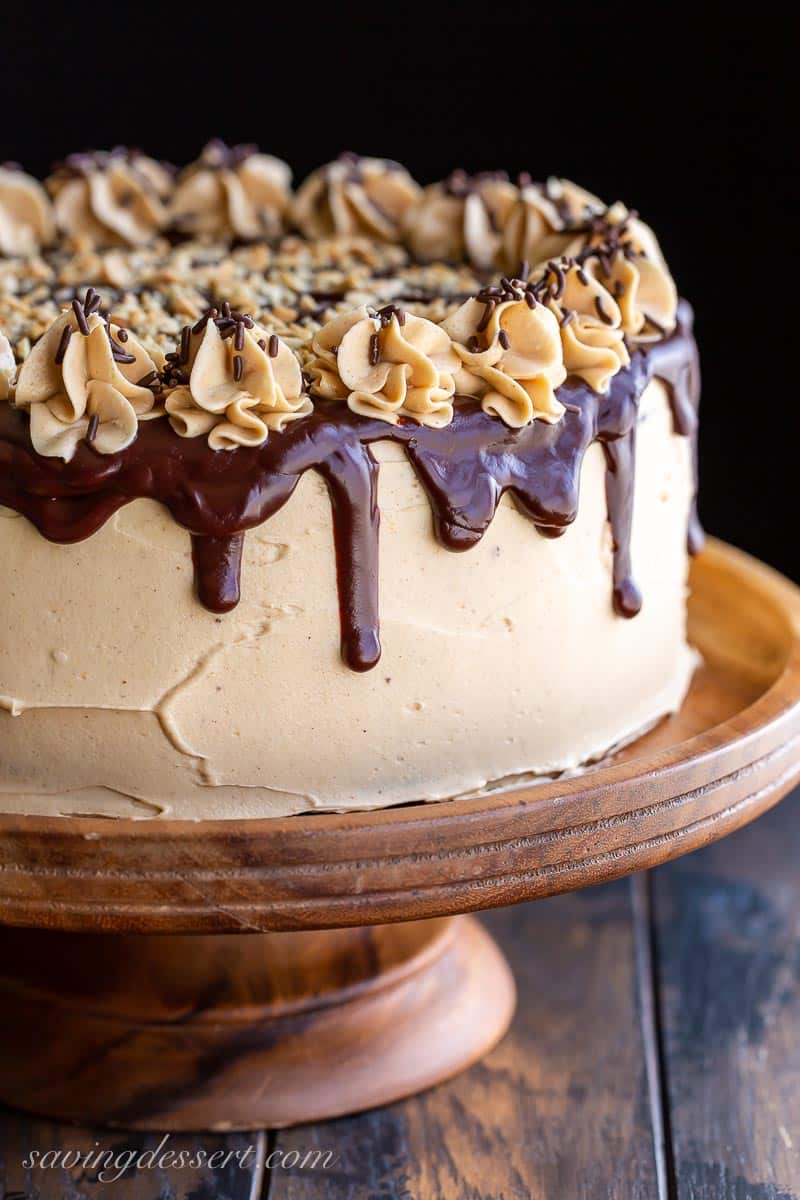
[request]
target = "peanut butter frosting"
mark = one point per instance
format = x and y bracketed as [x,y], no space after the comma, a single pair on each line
[232,192]
[242,383]
[462,217]
[511,359]
[272,441]
[8,366]
[85,379]
[386,364]
[622,254]
[354,195]
[113,198]
[534,226]
[26,215]
[589,321]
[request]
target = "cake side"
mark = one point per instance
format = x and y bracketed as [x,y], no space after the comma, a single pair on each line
[185,528]
[494,663]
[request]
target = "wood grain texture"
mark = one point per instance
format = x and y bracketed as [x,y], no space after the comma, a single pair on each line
[731,753]
[561,1108]
[558,1111]
[192,1032]
[728,948]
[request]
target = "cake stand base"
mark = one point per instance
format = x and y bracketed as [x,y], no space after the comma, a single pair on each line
[191,1031]
[129,997]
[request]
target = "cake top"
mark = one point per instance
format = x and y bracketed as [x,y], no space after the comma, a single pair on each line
[202,337]
[229,306]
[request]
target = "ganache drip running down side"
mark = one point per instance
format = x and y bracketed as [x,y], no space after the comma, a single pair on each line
[464,468]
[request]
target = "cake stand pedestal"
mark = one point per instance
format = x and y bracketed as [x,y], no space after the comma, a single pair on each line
[357,983]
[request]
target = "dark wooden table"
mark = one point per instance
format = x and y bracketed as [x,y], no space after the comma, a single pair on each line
[655,1053]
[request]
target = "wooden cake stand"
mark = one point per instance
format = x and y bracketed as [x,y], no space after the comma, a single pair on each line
[102,1022]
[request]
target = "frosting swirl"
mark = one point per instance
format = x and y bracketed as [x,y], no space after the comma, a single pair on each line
[534,226]
[113,198]
[8,366]
[26,215]
[461,217]
[589,322]
[511,356]
[622,254]
[355,195]
[232,191]
[240,383]
[80,383]
[635,273]
[387,365]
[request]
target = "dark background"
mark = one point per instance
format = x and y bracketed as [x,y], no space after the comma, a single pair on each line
[691,128]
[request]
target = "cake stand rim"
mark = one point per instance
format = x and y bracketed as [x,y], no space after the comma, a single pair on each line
[280,873]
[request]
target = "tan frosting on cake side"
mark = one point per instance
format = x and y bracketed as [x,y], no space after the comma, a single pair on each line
[398,366]
[121,694]
[355,195]
[512,361]
[114,199]
[26,215]
[232,192]
[163,708]
[237,406]
[72,384]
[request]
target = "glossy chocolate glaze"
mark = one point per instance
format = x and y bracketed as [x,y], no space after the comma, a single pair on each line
[465,469]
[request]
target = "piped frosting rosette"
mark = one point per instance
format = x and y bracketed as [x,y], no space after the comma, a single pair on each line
[622,254]
[538,224]
[85,380]
[232,192]
[26,215]
[386,364]
[355,195]
[114,198]
[510,356]
[461,218]
[589,323]
[233,382]
[640,278]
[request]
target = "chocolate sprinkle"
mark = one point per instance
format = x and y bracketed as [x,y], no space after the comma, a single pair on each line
[66,334]
[601,312]
[183,353]
[80,317]
[91,302]
[274,346]
[491,305]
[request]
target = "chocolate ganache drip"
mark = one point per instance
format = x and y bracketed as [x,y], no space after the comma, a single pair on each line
[465,468]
